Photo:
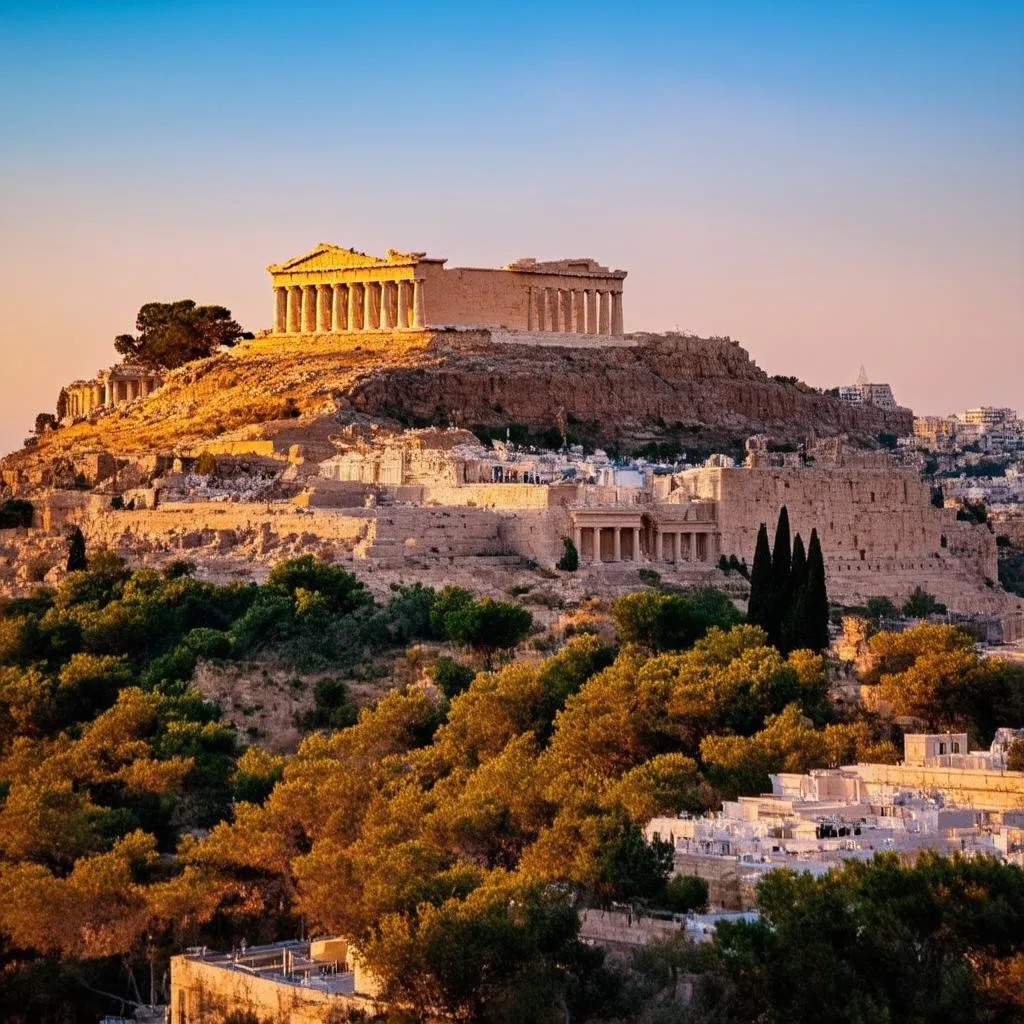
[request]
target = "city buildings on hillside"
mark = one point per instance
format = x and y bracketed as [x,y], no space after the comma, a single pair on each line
[943,797]
[866,393]
[292,982]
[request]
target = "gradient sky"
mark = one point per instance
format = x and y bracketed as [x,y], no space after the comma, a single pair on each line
[832,184]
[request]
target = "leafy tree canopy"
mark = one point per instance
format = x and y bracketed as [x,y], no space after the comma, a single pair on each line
[173,333]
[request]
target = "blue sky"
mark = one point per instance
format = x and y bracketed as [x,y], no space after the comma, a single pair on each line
[833,184]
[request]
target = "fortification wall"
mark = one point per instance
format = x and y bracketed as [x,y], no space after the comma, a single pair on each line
[873,524]
[967,787]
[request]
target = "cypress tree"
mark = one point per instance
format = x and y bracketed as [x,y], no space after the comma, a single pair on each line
[782,555]
[795,611]
[760,581]
[76,551]
[816,618]
[798,570]
[782,561]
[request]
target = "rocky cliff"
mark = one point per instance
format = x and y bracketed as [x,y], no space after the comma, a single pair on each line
[662,388]
[705,393]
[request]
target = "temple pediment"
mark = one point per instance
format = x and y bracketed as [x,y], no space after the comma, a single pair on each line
[333,257]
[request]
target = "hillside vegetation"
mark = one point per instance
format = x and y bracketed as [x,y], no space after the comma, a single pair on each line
[454,828]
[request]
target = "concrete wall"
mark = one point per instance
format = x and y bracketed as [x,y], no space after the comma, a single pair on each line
[203,993]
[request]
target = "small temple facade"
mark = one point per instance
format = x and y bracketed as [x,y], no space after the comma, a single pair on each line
[115,386]
[331,289]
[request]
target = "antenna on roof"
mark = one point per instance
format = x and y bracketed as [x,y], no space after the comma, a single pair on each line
[863,378]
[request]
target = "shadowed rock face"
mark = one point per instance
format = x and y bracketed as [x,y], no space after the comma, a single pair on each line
[629,394]
[700,394]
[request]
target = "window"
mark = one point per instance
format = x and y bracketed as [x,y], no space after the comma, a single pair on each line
[956,746]
[942,748]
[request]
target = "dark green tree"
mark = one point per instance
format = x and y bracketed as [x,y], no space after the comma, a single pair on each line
[760,581]
[76,551]
[816,621]
[570,560]
[174,333]
[489,626]
[795,610]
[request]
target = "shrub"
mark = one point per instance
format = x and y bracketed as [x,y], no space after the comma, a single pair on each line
[686,893]
[206,465]
[15,513]
[451,677]
[570,560]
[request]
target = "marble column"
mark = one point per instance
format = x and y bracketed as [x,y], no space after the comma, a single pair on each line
[403,304]
[617,542]
[540,298]
[617,313]
[371,306]
[659,545]
[105,385]
[602,316]
[387,320]
[591,311]
[636,543]
[552,294]
[566,303]
[529,309]
[579,322]
[339,311]
[355,302]
[419,316]
[675,547]
[280,310]
[693,547]
[294,322]
[309,309]
[577,539]
[324,295]
[97,396]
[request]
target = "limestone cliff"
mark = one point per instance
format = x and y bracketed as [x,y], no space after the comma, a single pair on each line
[651,388]
[631,394]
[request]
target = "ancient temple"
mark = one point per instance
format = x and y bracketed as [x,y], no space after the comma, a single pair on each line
[331,289]
[117,385]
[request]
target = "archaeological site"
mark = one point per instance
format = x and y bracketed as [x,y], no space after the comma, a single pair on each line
[412,420]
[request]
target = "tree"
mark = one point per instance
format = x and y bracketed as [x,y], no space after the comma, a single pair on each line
[174,333]
[921,604]
[570,560]
[816,622]
[451,676]
[758,607]
[881,608]
[489,626]
[76,551]
[686,893]
[44,421]
[16,512]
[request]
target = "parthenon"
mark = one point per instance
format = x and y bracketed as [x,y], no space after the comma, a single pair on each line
[330,290]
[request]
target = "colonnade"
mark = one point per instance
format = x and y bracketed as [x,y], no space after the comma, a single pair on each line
[83,397]
[610,543]
[575,310]
[349,306]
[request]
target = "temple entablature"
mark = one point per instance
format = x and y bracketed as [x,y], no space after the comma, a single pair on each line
[334,290]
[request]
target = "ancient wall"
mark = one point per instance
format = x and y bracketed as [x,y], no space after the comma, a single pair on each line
[872,523]
[535,534]
[965,787]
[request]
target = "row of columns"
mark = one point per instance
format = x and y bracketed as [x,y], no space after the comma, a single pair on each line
[669,545]
[354,306]
[575,310]
[84,398]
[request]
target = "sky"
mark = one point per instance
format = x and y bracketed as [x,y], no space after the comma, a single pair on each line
[834,185]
